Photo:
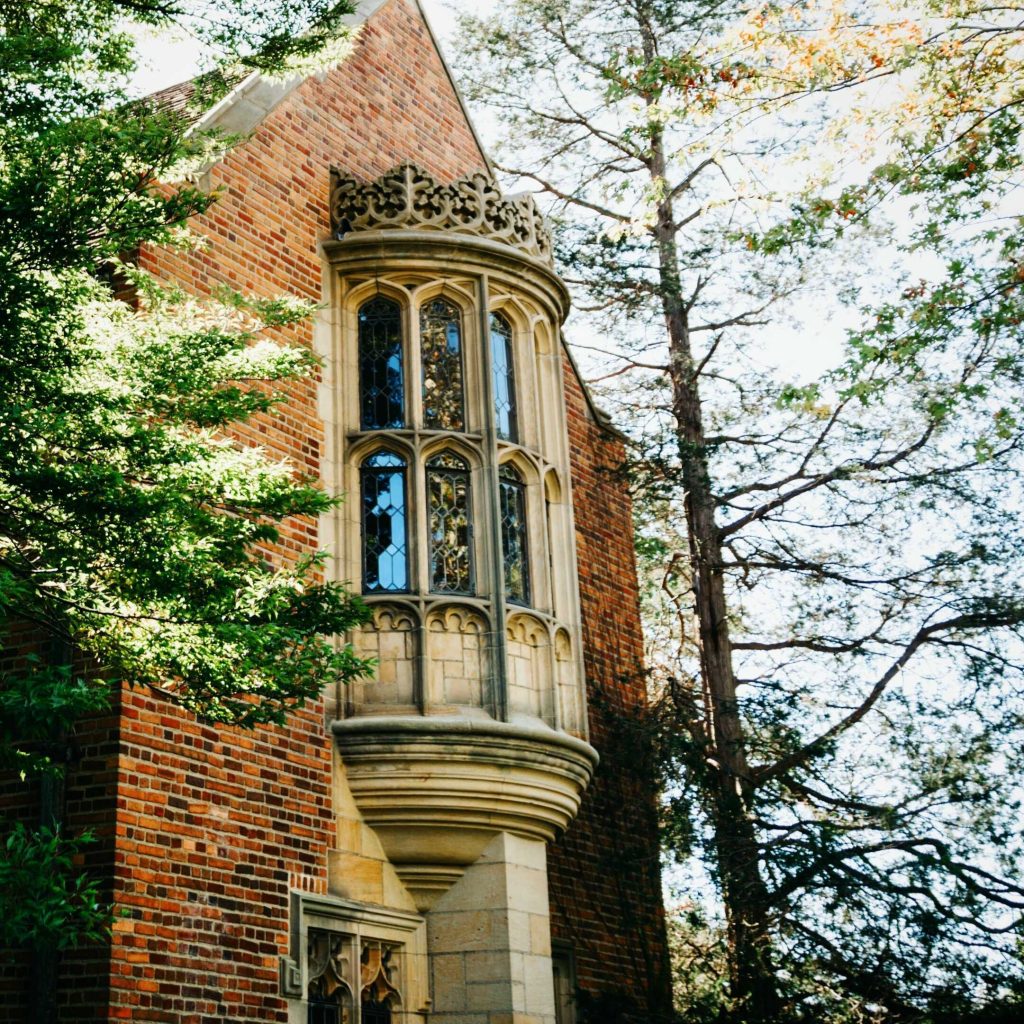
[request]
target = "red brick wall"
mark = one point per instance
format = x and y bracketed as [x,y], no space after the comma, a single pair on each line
[85,800]
[215,826]
[605,872]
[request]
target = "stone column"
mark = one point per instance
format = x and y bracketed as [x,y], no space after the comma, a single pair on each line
[489,939]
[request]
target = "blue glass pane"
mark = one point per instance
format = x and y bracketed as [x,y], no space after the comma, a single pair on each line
[385,550]
[504,371]
[380,365]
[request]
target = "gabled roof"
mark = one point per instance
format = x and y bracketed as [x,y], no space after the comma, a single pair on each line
[253,96]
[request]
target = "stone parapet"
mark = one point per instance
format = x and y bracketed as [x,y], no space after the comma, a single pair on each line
[409,197]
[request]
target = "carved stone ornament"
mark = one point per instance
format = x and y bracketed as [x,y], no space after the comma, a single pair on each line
[408,197]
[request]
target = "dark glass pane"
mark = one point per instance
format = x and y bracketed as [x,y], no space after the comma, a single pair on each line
[380,365]
[441,353]
[323,1011]
[374,1012]
[512,503]
[448,497]
[504,378]
[385,560]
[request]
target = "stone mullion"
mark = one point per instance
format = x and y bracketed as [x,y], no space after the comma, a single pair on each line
[490,506]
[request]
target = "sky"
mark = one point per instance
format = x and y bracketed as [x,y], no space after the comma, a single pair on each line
[168,60]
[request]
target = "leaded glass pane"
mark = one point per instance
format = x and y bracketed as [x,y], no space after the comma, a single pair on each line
[380,365]
[385,551]
[448,497]
[441,353]
[504,372]
[328,996]
[512,500]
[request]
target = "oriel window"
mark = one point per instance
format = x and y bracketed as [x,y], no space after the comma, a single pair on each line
[385,546]
[504,372]
[451,565]
[381,381]
[514,553]
[441,354]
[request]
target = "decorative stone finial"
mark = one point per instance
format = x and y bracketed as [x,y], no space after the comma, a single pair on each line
[409,197]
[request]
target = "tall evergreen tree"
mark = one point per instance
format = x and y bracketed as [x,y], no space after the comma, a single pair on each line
[137,538]
[833,560]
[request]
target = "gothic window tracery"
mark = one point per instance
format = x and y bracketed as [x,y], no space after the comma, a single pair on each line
[385,546]
[378,993]
[381,378]
[448,498]
[328,994]
[441,357]
[504,378]
[339,965]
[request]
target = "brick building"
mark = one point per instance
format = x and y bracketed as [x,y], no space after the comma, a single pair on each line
[438,842]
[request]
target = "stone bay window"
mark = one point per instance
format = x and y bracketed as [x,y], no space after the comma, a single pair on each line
[443,395]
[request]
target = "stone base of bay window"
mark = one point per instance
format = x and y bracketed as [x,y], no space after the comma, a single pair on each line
[437,790]
[489,938]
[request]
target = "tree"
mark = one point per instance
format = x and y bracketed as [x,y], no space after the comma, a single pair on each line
[137,537]
[832,559]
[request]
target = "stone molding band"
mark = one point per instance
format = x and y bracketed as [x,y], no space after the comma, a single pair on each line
[409,197]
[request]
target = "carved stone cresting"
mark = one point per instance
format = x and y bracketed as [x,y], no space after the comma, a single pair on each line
[409,197]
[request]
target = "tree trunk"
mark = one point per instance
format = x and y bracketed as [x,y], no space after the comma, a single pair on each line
[744,892]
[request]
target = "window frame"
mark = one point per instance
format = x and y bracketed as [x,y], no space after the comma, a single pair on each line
[510,475]
[509,376]
[418,308]
[466,470]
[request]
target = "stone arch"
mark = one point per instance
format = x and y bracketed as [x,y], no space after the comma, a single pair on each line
[568,685]
[552,487]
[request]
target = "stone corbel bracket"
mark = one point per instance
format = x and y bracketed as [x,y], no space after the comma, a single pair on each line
[436,790]
[409,197]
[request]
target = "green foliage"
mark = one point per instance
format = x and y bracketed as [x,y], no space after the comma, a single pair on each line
[841,735]
[139,538]
[57,907]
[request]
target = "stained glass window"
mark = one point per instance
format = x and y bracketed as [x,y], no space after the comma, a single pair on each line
[380,365]
[385,550]
[504,371]
[512,498]
[451,570]
[441,353]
